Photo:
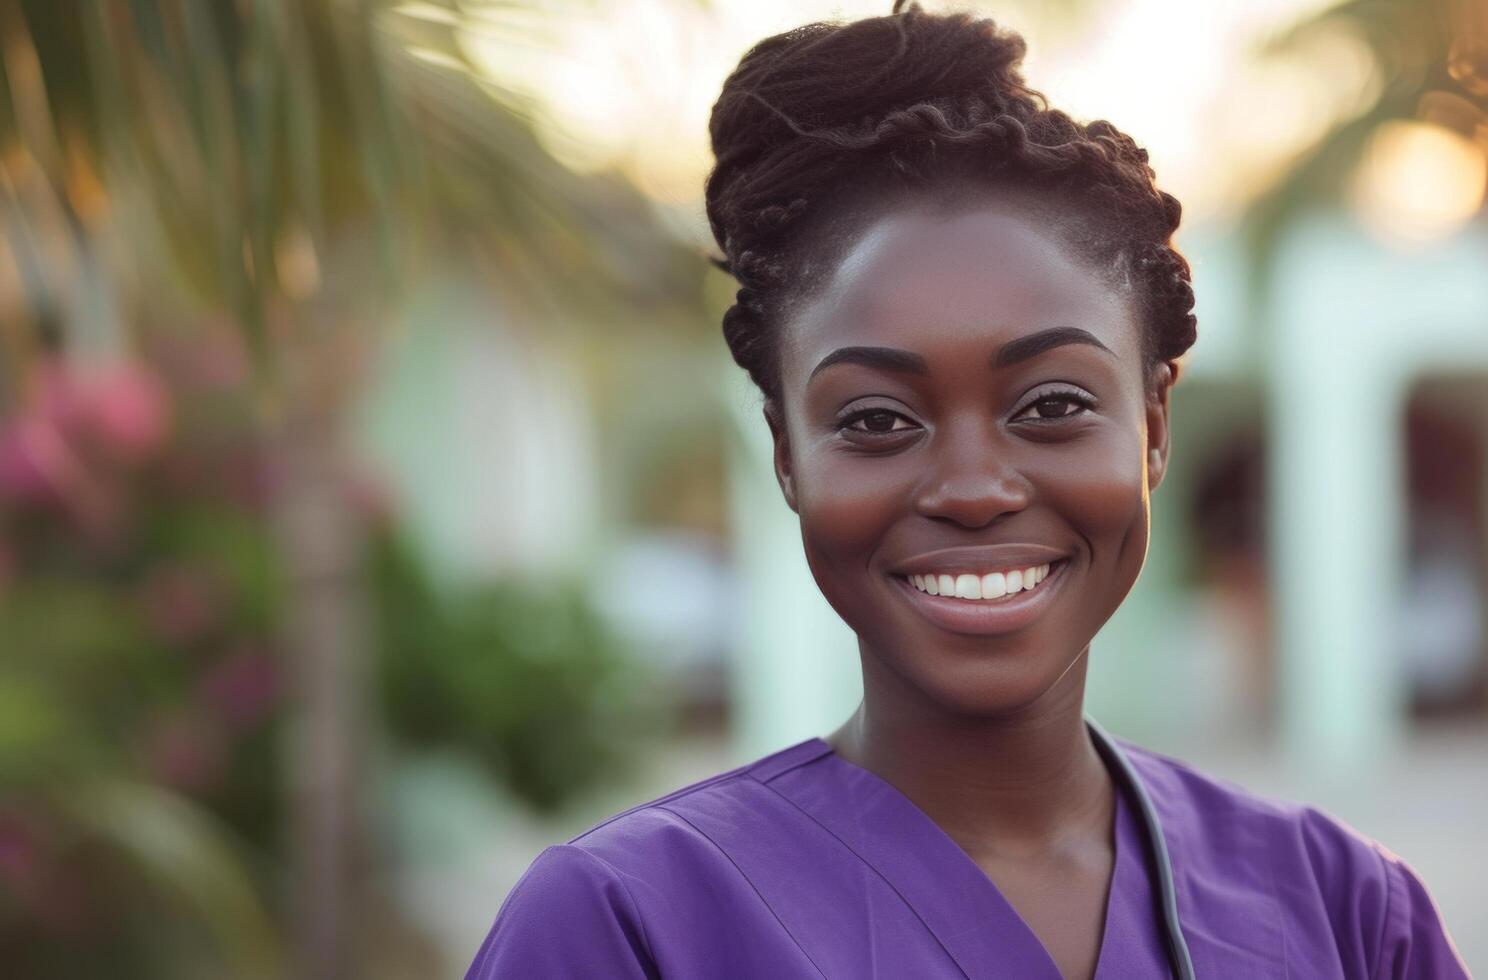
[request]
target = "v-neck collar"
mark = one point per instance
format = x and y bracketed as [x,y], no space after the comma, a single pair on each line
[1222,859]
[957,901]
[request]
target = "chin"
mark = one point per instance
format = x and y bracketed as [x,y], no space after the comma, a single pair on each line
[989,688]
[973,677]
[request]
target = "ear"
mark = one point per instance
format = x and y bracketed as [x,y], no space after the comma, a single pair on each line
[781,440]
[1157,424]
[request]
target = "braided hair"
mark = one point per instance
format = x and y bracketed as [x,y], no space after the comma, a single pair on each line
[819,128]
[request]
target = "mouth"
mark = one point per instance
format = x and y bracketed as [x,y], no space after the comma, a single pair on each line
[982,604]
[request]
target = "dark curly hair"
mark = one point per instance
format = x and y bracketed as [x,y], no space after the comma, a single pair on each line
[820,128]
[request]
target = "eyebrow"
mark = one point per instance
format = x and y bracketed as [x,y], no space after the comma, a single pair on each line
[1012,352]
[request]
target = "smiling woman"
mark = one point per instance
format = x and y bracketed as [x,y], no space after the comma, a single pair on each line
[1018,438]
[965,314]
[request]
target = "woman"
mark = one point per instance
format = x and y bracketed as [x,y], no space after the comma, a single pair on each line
[963,310]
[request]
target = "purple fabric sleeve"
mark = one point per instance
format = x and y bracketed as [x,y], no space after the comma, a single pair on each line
[1385,924]
[1414,944]
[1348,874]
[569,915]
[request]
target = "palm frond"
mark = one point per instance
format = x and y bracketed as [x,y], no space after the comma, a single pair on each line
[180,852]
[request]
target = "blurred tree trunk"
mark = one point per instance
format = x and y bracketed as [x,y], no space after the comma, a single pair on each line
[326,648]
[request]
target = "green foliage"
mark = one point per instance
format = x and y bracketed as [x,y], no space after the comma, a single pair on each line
[142,681]
[94,866]
[279,169]
[139,702]
[526,677]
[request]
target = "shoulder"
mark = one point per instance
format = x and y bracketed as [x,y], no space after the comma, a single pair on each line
[1382,917]
[679,822]
[569,914]
[1222,826]
[612,891]
[1207,808]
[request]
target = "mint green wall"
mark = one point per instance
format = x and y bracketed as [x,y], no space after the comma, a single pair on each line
[1352,323]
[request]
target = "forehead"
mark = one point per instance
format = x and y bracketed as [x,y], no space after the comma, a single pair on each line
[955,285]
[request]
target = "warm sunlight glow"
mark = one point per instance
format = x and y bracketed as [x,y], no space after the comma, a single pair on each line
[428,12]
[1418,182]
[630,86]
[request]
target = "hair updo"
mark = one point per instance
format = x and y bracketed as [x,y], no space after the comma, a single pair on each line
[839,120]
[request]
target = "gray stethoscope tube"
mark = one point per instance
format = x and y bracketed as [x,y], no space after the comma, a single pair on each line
[1177,948]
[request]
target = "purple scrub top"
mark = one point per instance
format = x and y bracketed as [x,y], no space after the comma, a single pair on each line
[802,864]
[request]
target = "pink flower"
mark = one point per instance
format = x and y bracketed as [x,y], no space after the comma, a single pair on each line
[48,451]
[26,446]
[128,412]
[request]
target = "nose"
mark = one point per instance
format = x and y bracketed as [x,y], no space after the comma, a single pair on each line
[973,478]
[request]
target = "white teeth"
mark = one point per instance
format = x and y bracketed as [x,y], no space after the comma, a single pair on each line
[993,585]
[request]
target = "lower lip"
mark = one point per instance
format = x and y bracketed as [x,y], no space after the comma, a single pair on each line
[985,616]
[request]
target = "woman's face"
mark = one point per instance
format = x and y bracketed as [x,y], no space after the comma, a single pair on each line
[964,398]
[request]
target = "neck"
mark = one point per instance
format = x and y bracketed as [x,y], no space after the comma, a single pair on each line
[1015,784]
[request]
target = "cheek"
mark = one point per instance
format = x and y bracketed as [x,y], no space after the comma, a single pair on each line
[1103,494]
[846,505]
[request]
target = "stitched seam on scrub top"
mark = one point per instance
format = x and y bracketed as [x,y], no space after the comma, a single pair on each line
[1379,940]
[907,903]
[634,905]
[752,885]
[1281,923]
[657,803]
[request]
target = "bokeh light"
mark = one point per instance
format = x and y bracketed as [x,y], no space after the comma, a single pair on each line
[1418,182]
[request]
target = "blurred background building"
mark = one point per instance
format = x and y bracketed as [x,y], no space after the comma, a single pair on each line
[379,503]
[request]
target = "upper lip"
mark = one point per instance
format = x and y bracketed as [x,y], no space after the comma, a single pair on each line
[978,559]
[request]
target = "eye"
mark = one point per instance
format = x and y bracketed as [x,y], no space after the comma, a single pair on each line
[1059,399]
[876,422]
